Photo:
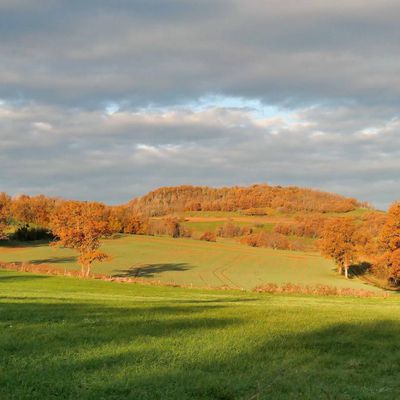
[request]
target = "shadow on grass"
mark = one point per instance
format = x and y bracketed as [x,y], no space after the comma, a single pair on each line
[7,278]
[186,351]
[19,244]
[150,270]
[360,269]
[54,260]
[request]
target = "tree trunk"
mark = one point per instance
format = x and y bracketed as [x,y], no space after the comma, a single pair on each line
[346,272]
[340,270]
[87,271]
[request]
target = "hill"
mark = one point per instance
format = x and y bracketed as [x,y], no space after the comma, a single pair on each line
[255,199]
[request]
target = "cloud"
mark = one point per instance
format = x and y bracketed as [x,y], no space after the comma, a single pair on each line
[151,52]
[92,154]
[106,100]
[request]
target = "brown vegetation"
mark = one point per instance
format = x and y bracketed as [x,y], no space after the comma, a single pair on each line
[320,290]
[230,230]
[169,227]
[167,200]
[307,226]
[208,236]
[254,211]
[267,239]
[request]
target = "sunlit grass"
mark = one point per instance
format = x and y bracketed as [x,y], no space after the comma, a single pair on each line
[65,338]
[194,262]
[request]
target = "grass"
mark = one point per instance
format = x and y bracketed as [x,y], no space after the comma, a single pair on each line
[65,338]
[212,226]
[357,213]
[187,261]
[211,214]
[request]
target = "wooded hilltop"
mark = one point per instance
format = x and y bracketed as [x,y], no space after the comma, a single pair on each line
[165,200]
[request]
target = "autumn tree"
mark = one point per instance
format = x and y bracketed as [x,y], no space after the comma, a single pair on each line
[80,226]
[5,202]
[339,241]
[390,233]
[135,225]
[21,209]
[389,239]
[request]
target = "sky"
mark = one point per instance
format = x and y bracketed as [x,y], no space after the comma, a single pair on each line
[106,100]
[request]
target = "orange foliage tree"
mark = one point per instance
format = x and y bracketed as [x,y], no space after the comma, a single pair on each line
[340,241]
[80,226]
[5,202]
[389,238]
[33,210]
[390,233]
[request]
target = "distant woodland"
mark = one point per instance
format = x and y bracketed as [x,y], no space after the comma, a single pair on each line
[357,243]
[201,198]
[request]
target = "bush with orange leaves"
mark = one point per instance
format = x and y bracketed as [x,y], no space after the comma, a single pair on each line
[208,236]
[230,230]
[80,226]
[267,239]
[307,226]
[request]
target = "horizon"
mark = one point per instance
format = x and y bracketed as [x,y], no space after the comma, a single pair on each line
[106,102]
[193,185]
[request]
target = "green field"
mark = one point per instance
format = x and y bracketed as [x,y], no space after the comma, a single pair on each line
[193,262]
[66,338]
[212,226]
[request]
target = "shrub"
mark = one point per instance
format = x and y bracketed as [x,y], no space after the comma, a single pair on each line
[208,236]
[168,226]
[267,239]
[230,230]
[320,290]
[255,211]
[309,226]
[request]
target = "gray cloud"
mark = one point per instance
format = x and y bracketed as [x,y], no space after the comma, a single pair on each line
[90,154]
[157,52]
[315,87]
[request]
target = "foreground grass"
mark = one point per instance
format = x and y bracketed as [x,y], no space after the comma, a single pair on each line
[188,261]
[64,338]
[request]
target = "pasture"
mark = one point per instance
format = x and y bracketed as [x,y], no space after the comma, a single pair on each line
[193,262]
[66,338]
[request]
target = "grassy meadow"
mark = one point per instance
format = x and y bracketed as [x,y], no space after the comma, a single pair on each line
[66,338]
[193,262]
[69,338]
